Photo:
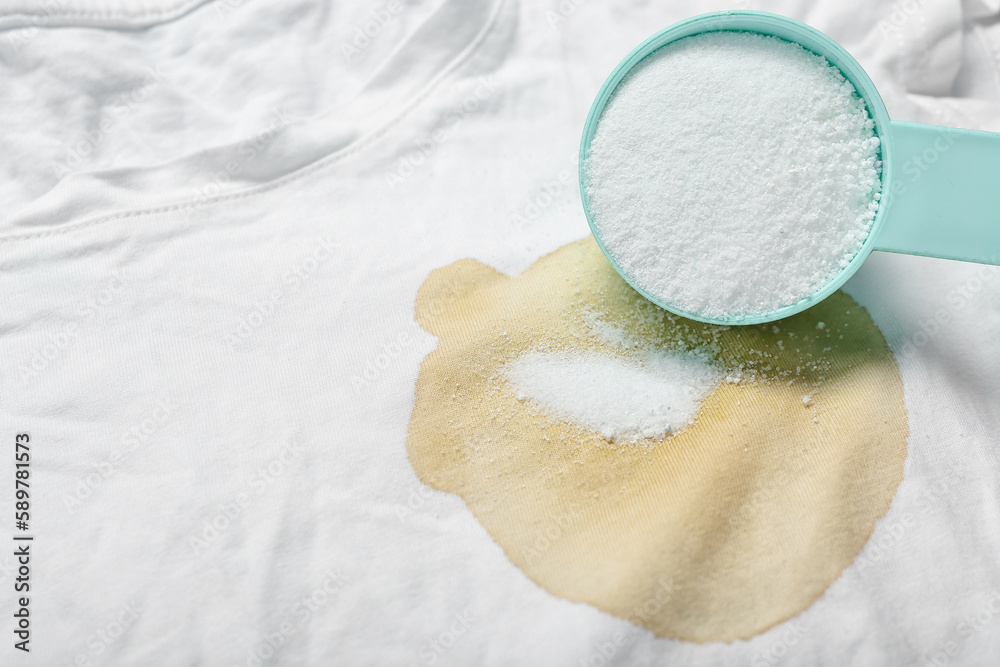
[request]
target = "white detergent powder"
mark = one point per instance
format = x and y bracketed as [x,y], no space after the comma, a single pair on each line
[621,398]
[732,174]
[634,393]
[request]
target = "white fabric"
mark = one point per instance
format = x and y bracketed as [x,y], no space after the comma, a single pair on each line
[28,16]
[207,316]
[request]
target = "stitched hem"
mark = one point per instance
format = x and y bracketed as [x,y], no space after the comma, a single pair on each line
[39,18]
[299,174]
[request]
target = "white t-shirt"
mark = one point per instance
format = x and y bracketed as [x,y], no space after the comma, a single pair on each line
[215,219]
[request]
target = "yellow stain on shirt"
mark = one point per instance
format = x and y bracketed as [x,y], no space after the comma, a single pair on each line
[719,532]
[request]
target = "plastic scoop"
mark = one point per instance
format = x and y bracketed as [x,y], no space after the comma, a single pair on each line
[940,185]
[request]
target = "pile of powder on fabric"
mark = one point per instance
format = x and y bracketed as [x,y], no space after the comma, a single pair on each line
[732,174]
[618,397]
[635,393]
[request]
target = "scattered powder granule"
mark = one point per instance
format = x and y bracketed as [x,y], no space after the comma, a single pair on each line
[732,174]
[623,398]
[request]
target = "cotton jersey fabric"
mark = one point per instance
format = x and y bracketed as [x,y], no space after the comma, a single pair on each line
[215,220]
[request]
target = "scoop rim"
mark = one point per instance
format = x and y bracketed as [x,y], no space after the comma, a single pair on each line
[788,29]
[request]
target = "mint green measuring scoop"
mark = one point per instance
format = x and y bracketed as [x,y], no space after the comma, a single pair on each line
[940,185]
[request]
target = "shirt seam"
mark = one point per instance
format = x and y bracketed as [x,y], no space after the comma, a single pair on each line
[178,7]
[299,174]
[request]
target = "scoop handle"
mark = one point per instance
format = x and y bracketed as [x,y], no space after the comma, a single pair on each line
[945,198]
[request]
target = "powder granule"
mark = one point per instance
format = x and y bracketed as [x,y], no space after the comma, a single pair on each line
[732,174]
[628,392]
[645,397]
